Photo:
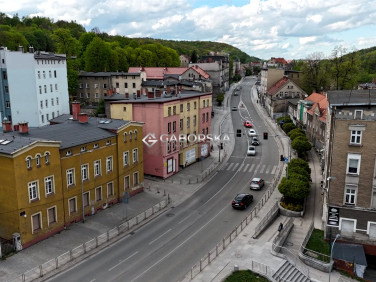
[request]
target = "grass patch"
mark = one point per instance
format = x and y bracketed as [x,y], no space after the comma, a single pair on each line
[245,276]
[318,244]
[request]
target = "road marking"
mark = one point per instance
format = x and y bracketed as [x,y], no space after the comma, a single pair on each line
[274,168]
[245,168]
[235,166]
[224,166]
[251,168]
[184,219]
[93,280]
[160,236]
[267,169]
[116,265]
[262,169]
[230,166]
[240,167]
[257,167]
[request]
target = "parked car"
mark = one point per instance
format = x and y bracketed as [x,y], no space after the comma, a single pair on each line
[255,141]
[251,151]
[252,132]
[234,108]
[242,201]
[247,123]
[257,183]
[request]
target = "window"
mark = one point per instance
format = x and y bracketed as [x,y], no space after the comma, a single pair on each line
[169,127]
[88,95]
[181,124]
[39,74]
[109,164]
[188,106]
[126,158]
[55,74]
[33,190]
[46,102]
[68,153]
[72,205]
[356,137]
[108,142]
[57,100]
[52,101]
[70,177]
[134,85]
[195,105]
[168,147]
[51,88]
[194,120]
[125,137]
[36,223]
[350,195]
[40,89]
[126,85]
[96,95]
[96,146]
[98,194]
[87,86]
[83,149]
[358,114]
[49,185]
[110,189]
[174,145]
[7,104]
[126,182]
[104,85]
[86,199]
[169,111]
[47,157]
[181,108]
[84,172]
[174,110]
[174,126]
[135,135]
[207,116]
[41,104]
[51,213]
[47,117]
[6,88]
[135,155]
[42,116]
[130,136]
[37,159]
[45,88]
[97,168]
[135,179]
[188,122]
[50,74]
[353,163]
[44,74]
[203,117]
[55,86]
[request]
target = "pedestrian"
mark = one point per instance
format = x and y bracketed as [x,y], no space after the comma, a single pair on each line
[280,227]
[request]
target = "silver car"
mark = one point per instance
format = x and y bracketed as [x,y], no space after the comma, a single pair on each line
[257,183]
[251,151]
[252,132]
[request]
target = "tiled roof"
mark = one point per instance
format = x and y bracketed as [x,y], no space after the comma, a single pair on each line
[278,85]
[157,72]
[320,102]
[200,71]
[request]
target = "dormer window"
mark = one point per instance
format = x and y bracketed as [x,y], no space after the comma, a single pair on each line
[83,149]
[96,146]
[68,153]
[108,142]
[28,163]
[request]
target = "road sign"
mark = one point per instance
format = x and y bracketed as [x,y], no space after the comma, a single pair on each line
[286,160]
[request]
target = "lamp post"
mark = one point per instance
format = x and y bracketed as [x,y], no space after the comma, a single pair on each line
[288,153]
[331,255]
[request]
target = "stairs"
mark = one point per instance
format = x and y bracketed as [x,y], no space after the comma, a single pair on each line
[287,272]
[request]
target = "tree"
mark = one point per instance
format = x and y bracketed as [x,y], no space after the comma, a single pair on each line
[65,42]
[300,164]
[301,145]
[194,57]
[220,98]
[287,127]
[100,110]
[315,76]
[293,188]
[296,133]
[97,56]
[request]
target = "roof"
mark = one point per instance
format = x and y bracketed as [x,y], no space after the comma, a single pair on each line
[157,72]
[278,85]
[15,142]
[350,253]
[319,102]
[352,97]
[71,132]
[108,74]
[200,71]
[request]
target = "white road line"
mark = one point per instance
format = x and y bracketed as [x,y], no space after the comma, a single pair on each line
[156,239]
[245,168]
[230,166]
[184,219]
[235,166]
[262,169]
[251,168]
[116,265]
[225,166]
[267,169]
[257,167]
[240,167]
[273,170]
[93,280]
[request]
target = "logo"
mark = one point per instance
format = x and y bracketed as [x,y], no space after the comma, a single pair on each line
[149,140]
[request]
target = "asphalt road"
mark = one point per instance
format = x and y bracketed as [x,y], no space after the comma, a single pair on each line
[167,247]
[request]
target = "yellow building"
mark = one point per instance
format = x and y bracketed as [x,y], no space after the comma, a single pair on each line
[93,163]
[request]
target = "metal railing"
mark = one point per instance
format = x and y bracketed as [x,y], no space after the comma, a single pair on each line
[86,247]
[266,220]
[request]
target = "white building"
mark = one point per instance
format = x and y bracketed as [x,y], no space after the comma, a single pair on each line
[33,86]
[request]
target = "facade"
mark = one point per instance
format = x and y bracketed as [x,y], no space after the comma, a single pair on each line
[61,173]
[36,79]
[268,78]
[94,86]
[350,171]
[169,115]
[184,60]
[278,96]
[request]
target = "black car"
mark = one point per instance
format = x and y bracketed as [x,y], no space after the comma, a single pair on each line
[242,201]
[255,141]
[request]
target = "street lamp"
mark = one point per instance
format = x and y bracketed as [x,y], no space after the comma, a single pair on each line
[288,153]
[331,255]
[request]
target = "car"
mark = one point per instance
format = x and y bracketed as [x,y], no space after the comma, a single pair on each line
[234,108]
[252,132]
[242,201]
[257,183]
[251,151]
[255,141]
[236,93]
[247,123]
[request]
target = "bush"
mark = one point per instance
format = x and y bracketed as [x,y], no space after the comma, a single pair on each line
[294,189]
[220,98]
[292,206]
[285,119]
[245,276]
[301,145]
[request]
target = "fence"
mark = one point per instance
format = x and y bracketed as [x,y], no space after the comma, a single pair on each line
[196,179]
[86,247]
[221,246]
[266,220]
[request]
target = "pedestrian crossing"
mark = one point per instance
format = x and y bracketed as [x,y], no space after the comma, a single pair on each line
[254,168]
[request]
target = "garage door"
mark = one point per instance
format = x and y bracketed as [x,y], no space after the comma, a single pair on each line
[190,156]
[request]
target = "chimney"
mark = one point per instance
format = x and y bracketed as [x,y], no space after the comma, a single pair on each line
[7,126]
[76,108]
[158,93]
[31,49]
[16,127]
[24,127]
[138,94]
[150,95]
[21,48]
[82,118]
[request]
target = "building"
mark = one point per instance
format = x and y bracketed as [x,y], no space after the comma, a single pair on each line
[169,116]
[36,79]
[269,77]
[94,86]
[184,60]
[54,175]
[350,171]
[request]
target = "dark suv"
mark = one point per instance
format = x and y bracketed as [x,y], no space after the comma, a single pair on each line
[255,141]
[242,201]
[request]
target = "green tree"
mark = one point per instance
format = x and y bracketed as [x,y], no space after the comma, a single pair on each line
[287,127]
[293,188]
[301,164]
[97,56]
[123,64]
[100,110]
[65,42]
[220,98]
[296,133]
[194,57]
[301,145]
[315,70]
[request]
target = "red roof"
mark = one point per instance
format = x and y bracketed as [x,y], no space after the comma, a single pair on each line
[157,72]
[200,71]
[278,85]
[320,102]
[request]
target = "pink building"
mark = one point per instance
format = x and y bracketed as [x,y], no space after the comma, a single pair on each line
[179,123]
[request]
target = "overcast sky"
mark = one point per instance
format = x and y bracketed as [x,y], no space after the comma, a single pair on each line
[292,29]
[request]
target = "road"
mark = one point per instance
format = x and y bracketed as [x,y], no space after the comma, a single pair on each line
[167,247]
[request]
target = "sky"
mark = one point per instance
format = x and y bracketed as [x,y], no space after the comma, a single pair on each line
[292,29]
